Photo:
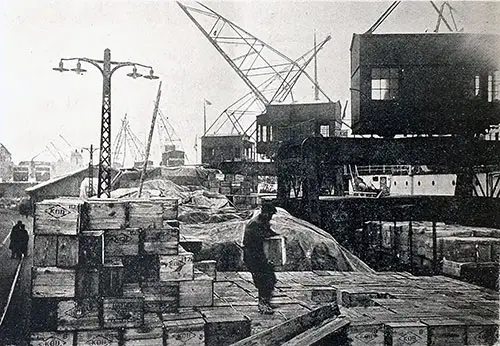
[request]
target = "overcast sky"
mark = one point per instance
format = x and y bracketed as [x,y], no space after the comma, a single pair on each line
[38,105]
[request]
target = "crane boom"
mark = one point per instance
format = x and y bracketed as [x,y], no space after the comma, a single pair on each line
[148,145]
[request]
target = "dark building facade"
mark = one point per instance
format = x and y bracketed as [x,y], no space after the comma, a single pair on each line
[424,83]
[295,122]
[226,148]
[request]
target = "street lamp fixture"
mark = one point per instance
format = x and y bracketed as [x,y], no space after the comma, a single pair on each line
[107,68]
[151,75]
[79,69]
[61,67]
[134,73]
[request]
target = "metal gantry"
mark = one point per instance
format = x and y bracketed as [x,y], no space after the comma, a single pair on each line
[107,68]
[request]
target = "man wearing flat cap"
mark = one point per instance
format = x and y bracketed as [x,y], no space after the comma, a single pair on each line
[256,230]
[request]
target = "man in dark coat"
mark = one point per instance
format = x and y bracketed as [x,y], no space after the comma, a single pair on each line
[15,240]
[258,229]
[23,241]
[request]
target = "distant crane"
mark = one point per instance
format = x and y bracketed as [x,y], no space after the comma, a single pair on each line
[124,140]
[166,131]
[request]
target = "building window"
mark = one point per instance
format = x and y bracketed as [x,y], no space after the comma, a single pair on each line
[264,133]
[324,130]
[385,83]
[476,86]
[494,86]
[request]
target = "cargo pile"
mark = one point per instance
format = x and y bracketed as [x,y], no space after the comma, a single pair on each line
[382,308]
[469,253]
[112,272]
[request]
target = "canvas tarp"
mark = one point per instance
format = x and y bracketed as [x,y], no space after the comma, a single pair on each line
[307,246]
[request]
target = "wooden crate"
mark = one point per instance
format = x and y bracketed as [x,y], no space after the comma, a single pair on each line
[45,250]
[141,268]
[182,331]
[152,320]
[43,314]
[443,331]
[208,267]
[52,338]
[58,217]
[53,282]
[151,334]
[161,241]
[366,334]
[121,242]
[177,267]
[91,249]
[102,337]
[123,312]
[105,214]
[111,283]
[67,251]
[170,207]
[353,297]
[132,290]
[197,292]
[324,295]
[143,337]
[145,213]
[275,250]
[149,267]
[482,334]
[161,296]
[78,315]
[470,249]
[223,327]
[87,282]
[405,333]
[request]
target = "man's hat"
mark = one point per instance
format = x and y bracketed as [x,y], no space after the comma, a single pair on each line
[268,208]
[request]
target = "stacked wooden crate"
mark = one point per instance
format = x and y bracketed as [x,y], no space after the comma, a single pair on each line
[107,271]
[456,246]
[55,257]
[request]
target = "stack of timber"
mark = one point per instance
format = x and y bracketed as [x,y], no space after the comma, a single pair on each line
[464,252]
[113,272]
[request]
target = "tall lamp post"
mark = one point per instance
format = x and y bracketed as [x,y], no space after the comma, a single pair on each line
[107,68]
[91,150]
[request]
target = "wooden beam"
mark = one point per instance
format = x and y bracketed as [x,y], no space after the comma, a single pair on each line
[287,330]
[334,331]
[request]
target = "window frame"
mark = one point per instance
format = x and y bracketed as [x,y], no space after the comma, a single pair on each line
[385,83]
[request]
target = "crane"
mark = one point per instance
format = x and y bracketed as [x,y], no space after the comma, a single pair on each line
[251,58]
[124,140]
[269,74]
[249,104]
[440,12]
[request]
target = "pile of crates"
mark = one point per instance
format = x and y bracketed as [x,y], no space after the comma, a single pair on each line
[112,272]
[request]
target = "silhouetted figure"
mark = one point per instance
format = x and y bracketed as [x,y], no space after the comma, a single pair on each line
[16,237]
[23,241]
[256,231]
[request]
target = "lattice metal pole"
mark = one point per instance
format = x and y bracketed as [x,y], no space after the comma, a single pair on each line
[104,178]
[106,67]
